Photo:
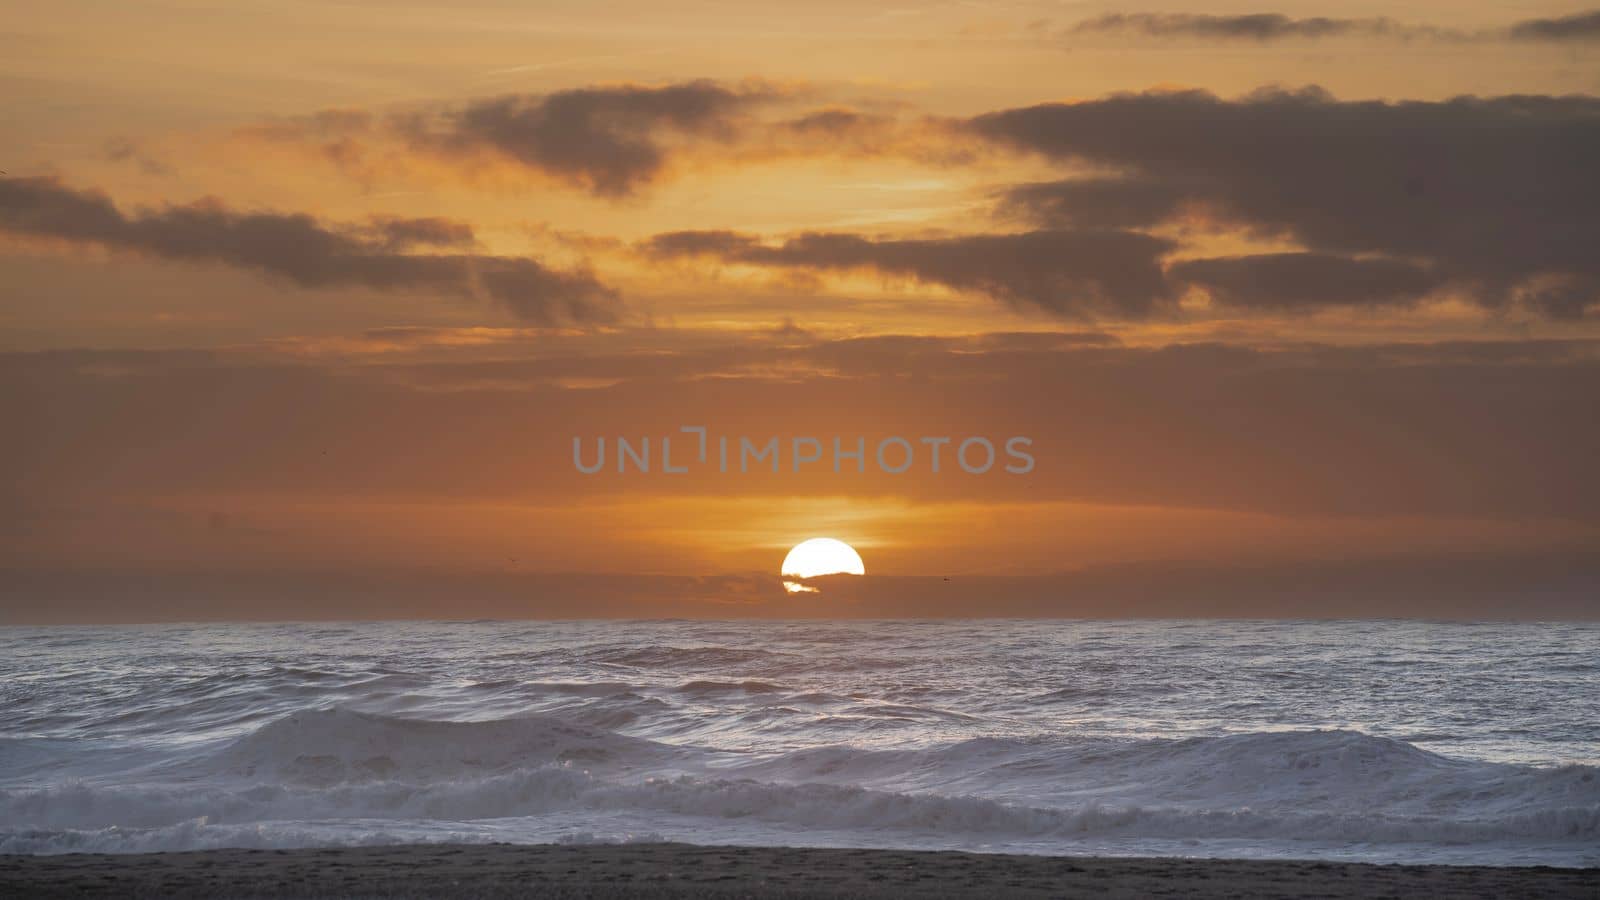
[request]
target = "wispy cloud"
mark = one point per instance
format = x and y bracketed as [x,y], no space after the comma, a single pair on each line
[1266,27]
[1071,273]
[298,248]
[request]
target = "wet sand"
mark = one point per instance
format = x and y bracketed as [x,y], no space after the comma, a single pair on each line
[681,870]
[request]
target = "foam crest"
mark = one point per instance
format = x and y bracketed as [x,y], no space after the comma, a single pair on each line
[338,745]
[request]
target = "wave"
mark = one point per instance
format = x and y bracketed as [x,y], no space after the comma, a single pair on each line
[337,765]
[74,809]
[340,745]
[1335,770]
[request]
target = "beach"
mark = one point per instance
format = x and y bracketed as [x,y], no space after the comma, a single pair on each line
[683,870]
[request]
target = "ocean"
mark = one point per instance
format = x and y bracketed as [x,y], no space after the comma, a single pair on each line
[1390,741]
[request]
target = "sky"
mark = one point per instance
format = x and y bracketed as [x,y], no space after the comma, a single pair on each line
[302,307]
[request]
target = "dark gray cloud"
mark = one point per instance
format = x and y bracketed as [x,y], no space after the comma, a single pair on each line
[298,248]
[1269,26]
[608,140]
[1084,273]
[1497,196]
[398,234]
[1579,27]
[1303,282]
[1093,202]
[1253,26]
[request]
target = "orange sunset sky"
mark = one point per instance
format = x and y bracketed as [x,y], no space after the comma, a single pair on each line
[301,303]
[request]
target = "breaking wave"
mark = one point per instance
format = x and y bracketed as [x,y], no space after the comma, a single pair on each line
[317,765]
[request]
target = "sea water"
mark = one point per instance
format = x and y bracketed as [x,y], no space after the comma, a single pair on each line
[1358,740]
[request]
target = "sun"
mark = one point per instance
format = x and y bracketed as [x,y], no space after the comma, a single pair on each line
[820,556]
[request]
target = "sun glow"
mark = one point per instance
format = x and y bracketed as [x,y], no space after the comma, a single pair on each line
[819,556]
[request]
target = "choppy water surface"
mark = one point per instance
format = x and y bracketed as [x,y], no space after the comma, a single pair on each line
[1393,741]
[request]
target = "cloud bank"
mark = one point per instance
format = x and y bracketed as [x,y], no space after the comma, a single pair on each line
[1495,197]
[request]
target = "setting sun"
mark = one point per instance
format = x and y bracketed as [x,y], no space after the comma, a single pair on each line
[820,556]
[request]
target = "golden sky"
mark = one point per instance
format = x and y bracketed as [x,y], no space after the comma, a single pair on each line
[297,288]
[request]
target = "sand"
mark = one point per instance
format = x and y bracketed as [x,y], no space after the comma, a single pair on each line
[681,870]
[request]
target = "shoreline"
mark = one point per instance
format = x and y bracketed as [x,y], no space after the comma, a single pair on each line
[687,870]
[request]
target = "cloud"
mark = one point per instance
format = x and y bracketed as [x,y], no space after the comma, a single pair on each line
[1579,27]
[607,140]
[1269,26]
[1487,199]
[1299,282]
[1501,585]
[307,253]
[399,234]
[1497,196]
[1254,26]
[1450,586]
[1098,202]
[1070,273]
[1499,430]
[612,141]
